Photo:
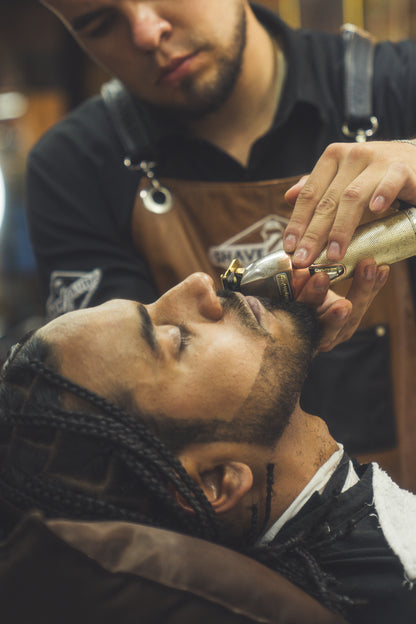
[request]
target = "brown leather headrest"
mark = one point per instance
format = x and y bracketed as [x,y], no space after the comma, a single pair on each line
[119,573]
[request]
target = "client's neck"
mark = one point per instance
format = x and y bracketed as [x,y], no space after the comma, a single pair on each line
[304,447]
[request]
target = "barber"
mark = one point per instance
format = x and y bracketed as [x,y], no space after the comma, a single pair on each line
[236,107]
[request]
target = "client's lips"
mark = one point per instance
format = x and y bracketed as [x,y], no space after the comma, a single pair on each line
[256,308]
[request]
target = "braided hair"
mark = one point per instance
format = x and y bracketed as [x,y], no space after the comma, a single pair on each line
[71,453]
[92,463]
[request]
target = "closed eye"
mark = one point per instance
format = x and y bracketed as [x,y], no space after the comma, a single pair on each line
[94,24]
[185,338]
[103,28]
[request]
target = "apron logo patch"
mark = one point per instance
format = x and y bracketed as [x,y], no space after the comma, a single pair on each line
[258,240]
[71,290]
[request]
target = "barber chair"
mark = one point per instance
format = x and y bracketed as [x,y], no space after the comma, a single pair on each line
[66,572]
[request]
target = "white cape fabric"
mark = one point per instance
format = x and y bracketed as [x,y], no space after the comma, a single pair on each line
[396,510]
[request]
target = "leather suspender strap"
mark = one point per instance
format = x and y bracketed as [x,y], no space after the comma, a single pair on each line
[360,123]
[132,130]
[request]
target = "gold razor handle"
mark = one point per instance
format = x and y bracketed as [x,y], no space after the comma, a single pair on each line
[387,240]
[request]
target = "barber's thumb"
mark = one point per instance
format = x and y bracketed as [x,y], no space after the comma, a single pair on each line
[291,194]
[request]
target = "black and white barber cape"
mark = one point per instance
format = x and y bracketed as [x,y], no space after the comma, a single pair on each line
[365,536]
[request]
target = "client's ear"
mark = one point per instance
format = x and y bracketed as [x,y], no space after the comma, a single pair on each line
[224,485]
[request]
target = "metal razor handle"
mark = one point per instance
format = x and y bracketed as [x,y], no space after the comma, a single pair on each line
[387,240]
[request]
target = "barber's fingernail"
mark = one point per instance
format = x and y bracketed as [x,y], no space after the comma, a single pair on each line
[370,272]
[300,255]
[378,204]
[290,243]
[382,274]
[334,251]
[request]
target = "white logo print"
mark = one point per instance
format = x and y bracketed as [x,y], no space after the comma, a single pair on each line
[71,290]
[256,241]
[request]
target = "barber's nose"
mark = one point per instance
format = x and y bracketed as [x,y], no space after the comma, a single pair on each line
[148,28]
[195,296]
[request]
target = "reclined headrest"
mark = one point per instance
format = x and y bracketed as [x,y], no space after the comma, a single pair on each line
[120,573]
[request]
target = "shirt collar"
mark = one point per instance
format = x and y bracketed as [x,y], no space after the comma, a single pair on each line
[316,484]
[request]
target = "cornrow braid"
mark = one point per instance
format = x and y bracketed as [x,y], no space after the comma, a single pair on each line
[269,494]
[144,457]
[178,475]
[38,469]
[80,424]
[295,560]
[255,531]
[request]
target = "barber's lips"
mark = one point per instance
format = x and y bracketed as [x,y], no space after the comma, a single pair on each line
[177,69]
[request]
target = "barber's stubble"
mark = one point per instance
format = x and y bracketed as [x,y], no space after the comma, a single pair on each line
[201,100]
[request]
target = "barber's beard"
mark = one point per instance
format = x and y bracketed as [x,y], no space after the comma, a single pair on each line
[204,99]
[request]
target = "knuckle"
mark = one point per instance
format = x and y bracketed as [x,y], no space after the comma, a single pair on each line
[352,193]
[312,237]
[335,150]
[339,234]
[296,224]
[360,151]
[400,168]
[308,194]
[327,205]
[295,229]
[296,220]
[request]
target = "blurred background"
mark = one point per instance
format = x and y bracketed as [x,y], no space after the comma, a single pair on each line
[43,75]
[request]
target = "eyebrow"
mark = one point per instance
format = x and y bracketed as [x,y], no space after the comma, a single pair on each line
[78,23]
[148,331]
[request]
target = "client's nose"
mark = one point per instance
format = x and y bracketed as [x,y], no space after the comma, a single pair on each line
[195,295]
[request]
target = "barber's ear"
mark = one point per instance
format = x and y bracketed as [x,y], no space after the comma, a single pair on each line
[224,486]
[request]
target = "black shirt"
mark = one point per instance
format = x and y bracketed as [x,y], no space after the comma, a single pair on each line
[80,195]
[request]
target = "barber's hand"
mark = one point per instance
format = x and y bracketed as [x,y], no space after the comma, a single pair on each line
[348,178]
[340,316]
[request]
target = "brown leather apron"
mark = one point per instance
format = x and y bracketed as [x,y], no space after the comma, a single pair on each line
[211,223]
[208,225]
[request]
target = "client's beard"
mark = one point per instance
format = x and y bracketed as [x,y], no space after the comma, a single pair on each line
[276,390]
[266,411]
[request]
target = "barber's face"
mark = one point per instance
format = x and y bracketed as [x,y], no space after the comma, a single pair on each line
[180,54]
[189,354]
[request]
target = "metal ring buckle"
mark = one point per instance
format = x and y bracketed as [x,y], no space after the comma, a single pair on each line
[156,197]
[361,135]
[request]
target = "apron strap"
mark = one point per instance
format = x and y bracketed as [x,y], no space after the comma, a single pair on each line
[131,128]
[360,122]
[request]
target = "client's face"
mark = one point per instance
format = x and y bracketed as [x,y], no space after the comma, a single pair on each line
[190,354]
